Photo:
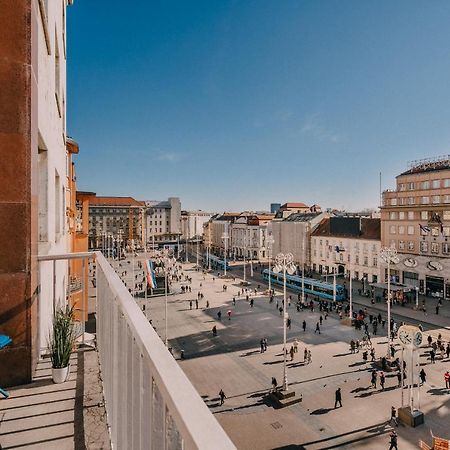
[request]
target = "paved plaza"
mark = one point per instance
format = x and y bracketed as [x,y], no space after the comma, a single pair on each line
[232,361]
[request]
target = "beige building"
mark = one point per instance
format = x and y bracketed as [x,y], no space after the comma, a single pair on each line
[416,221]
[348,245]
[163,220]
[216,228]
[292,235]
[193,222]
[249,236]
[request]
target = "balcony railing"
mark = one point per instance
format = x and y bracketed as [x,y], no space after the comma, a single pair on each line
[150,402]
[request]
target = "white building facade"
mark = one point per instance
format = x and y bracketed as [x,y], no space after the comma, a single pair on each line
[163,220]
[52,159]
[347,246]
[193,222]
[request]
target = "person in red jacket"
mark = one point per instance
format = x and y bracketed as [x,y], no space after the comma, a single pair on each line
[447,379]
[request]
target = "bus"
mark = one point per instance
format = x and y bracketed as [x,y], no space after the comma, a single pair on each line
[315,287]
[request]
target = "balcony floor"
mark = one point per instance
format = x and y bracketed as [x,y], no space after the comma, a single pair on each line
[44,415]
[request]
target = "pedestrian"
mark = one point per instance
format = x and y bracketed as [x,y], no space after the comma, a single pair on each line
[433,356]
[274,384]
[207,303]
[305,356]
[352,346]
[190,304]
[374,379]
[372,354]
[219,315]
[309,357]
[447,350]
[234,301]
[321,320]
[337,398]
[393,440]
[265,344]
[382,380]
[222,397]
[364,355]
[430,340]
[394,416]
[317,328]
[288,323]
[447,379]
[291,352]
[399,378]
[196,304]
[280,309]
[423,376]
[261,343]
[296,345]
[214,330]
[392,349]
[304,326]
[229,314]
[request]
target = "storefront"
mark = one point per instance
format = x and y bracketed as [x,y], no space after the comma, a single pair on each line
[434,286]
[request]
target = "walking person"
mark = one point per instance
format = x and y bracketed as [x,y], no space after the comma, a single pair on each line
[291,352]
[229,314]
[447,379]
[305,356]
[382,380]
[317,328]
[423,376]
[338,398]
[373,379]
[261,343]
[393,440]
[274,384]
[222,397]
[304,326]
[394,416]
[190,304]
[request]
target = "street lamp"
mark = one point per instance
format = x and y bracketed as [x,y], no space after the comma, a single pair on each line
[389,255]
[168,263]
[284,263]
[225,238]
[269,242]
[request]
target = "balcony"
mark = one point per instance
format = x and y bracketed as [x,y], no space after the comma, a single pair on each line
[129,392]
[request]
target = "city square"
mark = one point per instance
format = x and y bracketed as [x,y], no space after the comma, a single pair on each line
[225,225]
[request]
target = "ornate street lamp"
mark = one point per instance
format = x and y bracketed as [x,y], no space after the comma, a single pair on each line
[269,242]
[225,238]
[389,255]
[284,263]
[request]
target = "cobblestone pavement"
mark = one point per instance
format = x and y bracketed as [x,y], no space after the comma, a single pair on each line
[232,361]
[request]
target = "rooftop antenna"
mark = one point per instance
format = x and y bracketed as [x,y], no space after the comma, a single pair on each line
[381,194]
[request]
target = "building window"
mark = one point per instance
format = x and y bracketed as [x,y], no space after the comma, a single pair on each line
[425,185]
[410,245]
[401,215]
[446,215]
[411,186]
[357,259]
[375,262]
[434,247]
[401,187]
[424,215]
[393,215]
[446,248]
[393,244]
[446,199]
[447,182]
[423,246]
[446,231]
[410,215]
[392,229]
[435,231]
[401,229]
[393,201]
[401,245]
[436,199]
[436,184]
[411,201]
[402,201]
[425,200]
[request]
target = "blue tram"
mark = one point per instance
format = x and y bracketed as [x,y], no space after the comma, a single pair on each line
[215,262]
[316,287]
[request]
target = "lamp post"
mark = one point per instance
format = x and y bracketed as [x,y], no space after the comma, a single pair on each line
[350,287]
[245,251]
[284,263]
[303,266]
[168,263]
[270,241]
[225,238]
[389,255]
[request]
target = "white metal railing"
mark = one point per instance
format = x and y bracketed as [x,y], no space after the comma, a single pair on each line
[150,403]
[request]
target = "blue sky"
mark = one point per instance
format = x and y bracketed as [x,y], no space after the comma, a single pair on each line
[232,105]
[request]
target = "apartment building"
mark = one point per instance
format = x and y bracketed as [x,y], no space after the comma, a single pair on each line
[293,235]
[415,219]
[289,208]
[34,178]
[349,246]
[193,222]
[249,236]
[114,221]
[163,220]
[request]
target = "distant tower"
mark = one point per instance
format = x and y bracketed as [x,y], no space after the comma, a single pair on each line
[274,207]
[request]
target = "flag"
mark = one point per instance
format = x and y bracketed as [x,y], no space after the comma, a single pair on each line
[424,229]
[150,274]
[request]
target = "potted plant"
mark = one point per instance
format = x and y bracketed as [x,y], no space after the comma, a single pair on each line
[61,343]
